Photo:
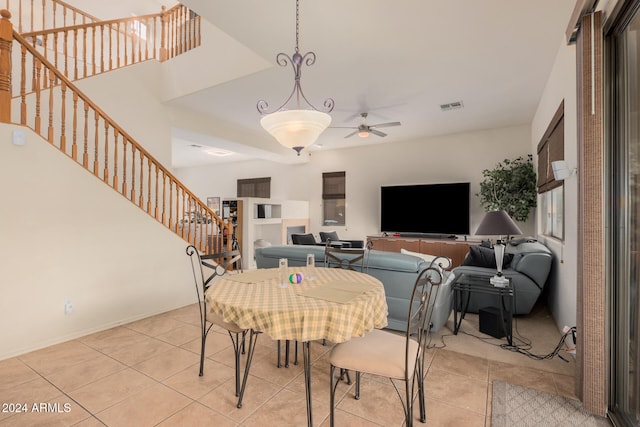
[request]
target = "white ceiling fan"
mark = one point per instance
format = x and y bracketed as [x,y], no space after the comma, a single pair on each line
[363,130]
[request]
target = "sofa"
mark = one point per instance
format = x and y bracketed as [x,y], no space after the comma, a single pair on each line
[397,272]
[527,263]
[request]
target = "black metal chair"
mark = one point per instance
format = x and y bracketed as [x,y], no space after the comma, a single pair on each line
[397,357]
[309,239]
[206,268]
[303,239]
[333,236]
[346,258]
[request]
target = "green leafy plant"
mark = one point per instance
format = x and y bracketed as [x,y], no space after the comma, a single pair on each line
[510,186]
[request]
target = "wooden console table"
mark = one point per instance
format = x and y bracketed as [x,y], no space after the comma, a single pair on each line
[454,249]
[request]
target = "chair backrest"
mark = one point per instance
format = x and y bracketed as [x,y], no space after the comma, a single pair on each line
[328,235]
[346,258]
[303,239]
[423,298]
[205,268]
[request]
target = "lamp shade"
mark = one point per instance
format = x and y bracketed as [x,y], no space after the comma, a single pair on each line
[296,129]
[497,223]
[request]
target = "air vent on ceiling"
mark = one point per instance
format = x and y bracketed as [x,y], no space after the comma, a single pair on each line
[451,106]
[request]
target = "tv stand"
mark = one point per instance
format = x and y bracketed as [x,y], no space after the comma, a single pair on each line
[427,235]
[427,244]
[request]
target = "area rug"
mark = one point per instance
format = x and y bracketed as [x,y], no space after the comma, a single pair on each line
[514,405]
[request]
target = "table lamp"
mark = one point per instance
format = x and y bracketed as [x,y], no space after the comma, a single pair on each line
[498,223]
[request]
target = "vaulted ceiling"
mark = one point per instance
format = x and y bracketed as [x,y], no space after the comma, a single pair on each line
[395,60]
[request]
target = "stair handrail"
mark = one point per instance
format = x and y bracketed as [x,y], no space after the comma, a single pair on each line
[186,212]
[168,33]
[29,6]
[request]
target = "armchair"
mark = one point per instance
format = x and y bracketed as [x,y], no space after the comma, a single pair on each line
[304,239]
[308,239]
[333,237]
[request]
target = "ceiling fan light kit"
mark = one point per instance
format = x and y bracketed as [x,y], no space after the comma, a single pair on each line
[364,130]
[297,127]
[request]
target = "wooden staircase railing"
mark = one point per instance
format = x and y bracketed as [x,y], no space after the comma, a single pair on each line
[84,50]
[36,15]
[70,121]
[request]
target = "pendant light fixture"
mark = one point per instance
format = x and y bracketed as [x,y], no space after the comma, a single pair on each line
[296,123]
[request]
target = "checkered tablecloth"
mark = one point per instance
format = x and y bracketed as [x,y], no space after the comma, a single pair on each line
[336,305]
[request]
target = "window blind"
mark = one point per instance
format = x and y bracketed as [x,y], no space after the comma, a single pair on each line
[333,185]
[254,187]
[550,149]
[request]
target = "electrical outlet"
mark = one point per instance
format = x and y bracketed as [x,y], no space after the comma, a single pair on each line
[68,306]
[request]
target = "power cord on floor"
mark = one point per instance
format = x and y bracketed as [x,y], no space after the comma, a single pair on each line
[524,343]
[556,352]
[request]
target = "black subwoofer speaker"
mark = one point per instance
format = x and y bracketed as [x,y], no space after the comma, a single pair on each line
[490,322]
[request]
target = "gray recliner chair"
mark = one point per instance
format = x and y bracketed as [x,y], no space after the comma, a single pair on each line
[528,270]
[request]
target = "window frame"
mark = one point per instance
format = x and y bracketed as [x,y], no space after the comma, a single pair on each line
[551,190]
[254,187]
[334,198]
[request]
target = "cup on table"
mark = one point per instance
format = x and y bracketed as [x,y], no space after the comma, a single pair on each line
[311,266]
[283,273]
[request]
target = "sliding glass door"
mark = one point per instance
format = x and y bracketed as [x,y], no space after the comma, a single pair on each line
[624,216]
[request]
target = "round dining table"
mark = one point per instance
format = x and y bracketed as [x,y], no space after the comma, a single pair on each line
[328,304]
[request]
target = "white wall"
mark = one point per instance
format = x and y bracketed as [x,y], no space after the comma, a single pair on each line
[450,158]
[131,97]
[562,286]
[64,234]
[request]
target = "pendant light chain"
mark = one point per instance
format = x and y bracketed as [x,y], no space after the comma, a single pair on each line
[297,23]
[296,123]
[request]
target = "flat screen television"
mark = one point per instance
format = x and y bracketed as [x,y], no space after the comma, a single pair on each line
[429,209]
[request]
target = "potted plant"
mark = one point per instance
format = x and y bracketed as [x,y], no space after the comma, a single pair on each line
[510,186]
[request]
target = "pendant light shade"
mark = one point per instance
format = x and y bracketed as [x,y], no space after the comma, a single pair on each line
[298,125]
[296,129]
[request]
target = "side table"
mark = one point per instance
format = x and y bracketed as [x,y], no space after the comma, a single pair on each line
[467,284]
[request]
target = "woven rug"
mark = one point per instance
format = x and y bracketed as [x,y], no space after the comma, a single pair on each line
[514,405]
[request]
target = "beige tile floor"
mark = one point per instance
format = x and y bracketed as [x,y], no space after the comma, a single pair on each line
[146,374]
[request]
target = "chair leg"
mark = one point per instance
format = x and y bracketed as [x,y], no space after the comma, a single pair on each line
[204,341]
[408,406]
[332,395]
[357,385]
[423,411]
[253,338]
[286,353]
[238,343]
[344,372]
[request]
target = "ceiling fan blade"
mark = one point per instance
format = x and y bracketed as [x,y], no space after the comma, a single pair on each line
[377,132]
[385,125]
[352,133]
[343,127]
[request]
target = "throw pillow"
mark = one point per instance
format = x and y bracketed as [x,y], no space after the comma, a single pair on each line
[480,256]
[446,262]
